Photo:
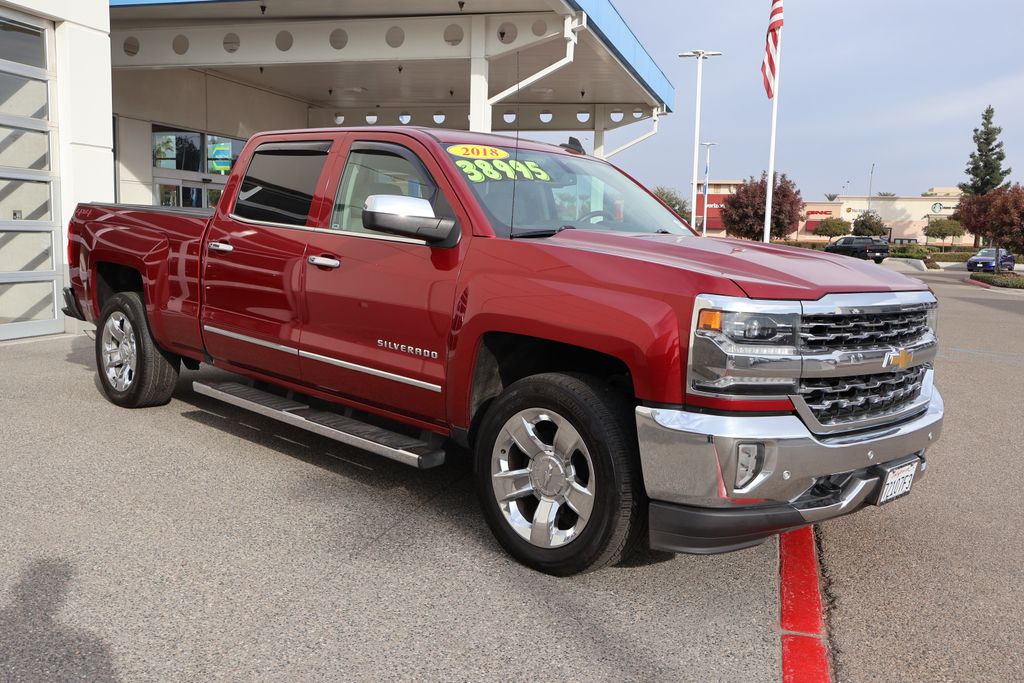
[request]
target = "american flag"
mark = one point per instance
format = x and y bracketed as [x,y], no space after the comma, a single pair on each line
[769,67]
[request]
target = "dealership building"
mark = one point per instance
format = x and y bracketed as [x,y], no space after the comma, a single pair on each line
[150,101]
[905,216]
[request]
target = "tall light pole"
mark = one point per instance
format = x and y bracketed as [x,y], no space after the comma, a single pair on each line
[700,55]
[707,173]
[871,180]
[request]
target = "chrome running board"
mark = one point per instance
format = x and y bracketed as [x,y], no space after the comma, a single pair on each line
[404,449]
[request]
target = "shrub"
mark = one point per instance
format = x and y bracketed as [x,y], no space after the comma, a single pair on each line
[954,256]
[803,245]
[1011,280]
[909,251]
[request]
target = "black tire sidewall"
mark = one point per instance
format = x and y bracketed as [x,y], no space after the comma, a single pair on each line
[582,552]
[130,304]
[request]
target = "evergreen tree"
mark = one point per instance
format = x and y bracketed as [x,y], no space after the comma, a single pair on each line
[985,168]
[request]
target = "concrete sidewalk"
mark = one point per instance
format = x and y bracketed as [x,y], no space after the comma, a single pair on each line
[198,541]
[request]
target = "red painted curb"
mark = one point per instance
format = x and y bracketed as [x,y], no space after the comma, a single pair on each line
[801,599]
[804,660]
[976,283]
[804,655]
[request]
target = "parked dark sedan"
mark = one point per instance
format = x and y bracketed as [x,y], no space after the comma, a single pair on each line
[985,260]
[874,248]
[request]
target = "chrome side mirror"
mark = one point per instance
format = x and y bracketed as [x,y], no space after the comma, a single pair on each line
[405,216]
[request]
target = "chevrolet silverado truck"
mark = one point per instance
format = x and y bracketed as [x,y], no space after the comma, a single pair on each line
[616,378]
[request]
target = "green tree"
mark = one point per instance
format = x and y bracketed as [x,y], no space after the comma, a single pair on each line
[997,215]
[886,194]
[743,211]
[869,223]
[674,200]
[833,226]
[944,228]
[984,169]
[831,196]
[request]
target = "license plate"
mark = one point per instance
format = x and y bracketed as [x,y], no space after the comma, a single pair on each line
[897,482]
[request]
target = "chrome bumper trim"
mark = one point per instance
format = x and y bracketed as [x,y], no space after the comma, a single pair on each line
[690,458]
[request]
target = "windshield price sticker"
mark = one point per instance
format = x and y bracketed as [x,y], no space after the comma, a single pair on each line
[481,170]
[477,152]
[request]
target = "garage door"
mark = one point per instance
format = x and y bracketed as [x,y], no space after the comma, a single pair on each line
[31,267]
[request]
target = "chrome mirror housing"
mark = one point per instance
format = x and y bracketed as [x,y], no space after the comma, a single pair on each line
[405,216]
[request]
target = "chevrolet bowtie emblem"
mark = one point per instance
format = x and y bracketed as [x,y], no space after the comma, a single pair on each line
[899,359]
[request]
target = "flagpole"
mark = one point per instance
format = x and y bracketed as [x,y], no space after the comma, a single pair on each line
[771,151]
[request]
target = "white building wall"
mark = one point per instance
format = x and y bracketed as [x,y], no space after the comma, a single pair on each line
[193,100]
[82,154]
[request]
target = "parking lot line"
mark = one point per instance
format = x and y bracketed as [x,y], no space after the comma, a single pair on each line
[804,652]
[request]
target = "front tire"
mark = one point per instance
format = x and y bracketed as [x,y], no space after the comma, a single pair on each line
[878,260]
[558,476]
[134,371]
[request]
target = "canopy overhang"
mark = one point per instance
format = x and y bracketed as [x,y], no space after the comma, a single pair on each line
[548,65]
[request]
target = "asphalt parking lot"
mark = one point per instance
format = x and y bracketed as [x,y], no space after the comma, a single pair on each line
[928,589]
[198,541]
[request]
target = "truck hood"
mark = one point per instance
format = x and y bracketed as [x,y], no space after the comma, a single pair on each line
[762,271]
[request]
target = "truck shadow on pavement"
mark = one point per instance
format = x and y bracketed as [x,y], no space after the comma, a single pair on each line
[34,645]
[446,491]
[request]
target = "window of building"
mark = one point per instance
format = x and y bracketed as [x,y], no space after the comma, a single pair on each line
[279,184]
[177,149]
[381,168]
[22,44]
[190,150]
[222,153]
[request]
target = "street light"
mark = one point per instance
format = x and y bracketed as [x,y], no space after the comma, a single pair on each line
[700,55]
[707,172]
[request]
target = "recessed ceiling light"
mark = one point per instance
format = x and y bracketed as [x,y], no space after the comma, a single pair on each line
[357,89]
[543,91]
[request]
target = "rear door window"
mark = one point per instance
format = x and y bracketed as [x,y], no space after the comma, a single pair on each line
[279,185]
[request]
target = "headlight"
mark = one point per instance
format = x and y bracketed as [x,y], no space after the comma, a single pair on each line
[749,328]
[744,352]
[932,320]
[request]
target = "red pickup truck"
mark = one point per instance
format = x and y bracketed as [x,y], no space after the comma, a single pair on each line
[617,378]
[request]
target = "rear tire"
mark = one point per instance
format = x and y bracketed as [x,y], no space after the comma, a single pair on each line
[558,475]
[134,371]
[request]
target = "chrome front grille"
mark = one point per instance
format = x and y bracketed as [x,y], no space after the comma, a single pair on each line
[840,400]
[831,332]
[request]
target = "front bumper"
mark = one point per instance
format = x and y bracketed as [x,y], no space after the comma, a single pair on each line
[689,467]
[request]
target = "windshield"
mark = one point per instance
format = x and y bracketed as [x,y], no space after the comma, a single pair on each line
[558,191]
[990,252]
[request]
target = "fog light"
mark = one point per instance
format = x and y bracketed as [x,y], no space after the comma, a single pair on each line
[749,460]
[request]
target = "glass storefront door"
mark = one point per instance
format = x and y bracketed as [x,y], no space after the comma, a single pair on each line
[31,269]
[172,191]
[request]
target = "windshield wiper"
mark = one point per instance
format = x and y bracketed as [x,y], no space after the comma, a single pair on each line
[544,232]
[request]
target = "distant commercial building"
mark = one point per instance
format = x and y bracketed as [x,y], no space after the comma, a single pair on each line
[906,216]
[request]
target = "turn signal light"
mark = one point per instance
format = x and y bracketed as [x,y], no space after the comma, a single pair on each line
[710,320]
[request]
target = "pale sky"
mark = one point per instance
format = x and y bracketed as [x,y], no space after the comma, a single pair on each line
[900,83]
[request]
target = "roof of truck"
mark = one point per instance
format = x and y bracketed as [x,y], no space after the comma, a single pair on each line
[445,136]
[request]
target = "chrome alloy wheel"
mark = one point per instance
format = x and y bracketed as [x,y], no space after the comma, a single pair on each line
[543,477]
[119,351]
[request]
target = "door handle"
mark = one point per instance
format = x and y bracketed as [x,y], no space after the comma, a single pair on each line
[324,262]
[220,246]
